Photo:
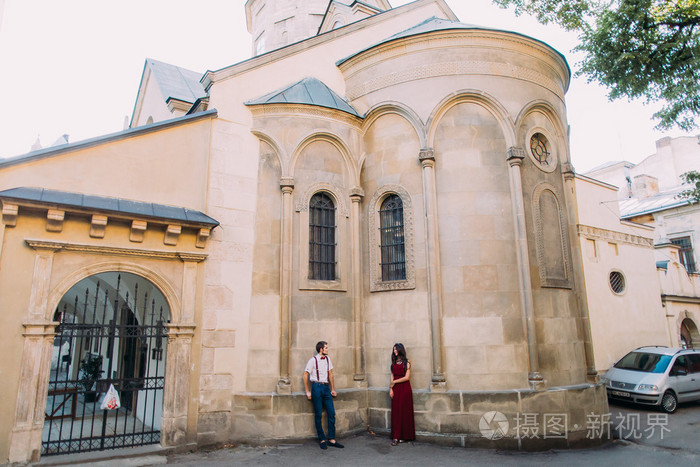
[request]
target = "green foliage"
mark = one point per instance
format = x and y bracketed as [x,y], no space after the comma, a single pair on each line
[692,194]
[91,369]
[647,49]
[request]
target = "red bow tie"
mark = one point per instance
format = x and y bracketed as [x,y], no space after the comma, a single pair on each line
[323,358]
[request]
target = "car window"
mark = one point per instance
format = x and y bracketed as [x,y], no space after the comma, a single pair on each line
[694,363]
[643,361]
[681,363]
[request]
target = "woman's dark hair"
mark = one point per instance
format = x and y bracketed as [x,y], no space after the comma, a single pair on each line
[401,350]
[320,345]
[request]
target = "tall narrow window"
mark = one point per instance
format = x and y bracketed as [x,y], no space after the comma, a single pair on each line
[392,243]
[321,238]
[686,253]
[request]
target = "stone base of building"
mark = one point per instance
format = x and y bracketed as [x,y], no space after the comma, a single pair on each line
[519,419]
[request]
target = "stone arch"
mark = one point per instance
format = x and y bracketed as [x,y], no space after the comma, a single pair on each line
[686,323]
[551,275]
[277,148]
[160,282]
[333,191]
[560,133]
[399,109]
[488,102]
[334,140]
[114,321]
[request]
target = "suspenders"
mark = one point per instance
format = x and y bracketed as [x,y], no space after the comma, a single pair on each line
[328,366]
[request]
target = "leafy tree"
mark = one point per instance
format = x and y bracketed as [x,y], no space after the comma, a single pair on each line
[692,194]
[646,49]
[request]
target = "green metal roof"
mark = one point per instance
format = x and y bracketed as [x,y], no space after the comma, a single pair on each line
[108,204]
[309,91]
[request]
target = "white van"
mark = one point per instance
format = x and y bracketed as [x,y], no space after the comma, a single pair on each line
[659,376]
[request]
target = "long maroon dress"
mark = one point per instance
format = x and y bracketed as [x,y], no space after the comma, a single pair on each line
[402,427]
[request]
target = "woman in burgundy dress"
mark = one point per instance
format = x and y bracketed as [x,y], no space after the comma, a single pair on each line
[402,428]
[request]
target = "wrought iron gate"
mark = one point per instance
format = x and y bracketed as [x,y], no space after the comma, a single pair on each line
[109,335]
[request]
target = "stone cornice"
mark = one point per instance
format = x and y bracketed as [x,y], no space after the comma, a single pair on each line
[98,223]
[285,110]
[117,251]
[619,237]
[53,210]
[679,299]
[40,329]
[180,331]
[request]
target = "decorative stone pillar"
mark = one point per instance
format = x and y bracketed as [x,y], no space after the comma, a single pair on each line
[39,332]
[515,158]
[356,195]
[284,384]
[189,286]
[427,159]
[584,317]
[176,393]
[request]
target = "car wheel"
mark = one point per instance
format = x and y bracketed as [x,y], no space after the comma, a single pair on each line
[669,403]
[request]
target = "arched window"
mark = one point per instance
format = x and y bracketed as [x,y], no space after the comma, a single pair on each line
[392,242]
[390,222]
[321,238]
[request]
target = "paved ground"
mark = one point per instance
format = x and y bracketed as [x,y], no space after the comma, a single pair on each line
[647,437]
[365,450]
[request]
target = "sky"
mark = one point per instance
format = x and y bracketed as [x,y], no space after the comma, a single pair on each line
[74,66]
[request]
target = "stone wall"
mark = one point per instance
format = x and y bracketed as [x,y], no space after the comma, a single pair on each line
[452,418]
[264,418]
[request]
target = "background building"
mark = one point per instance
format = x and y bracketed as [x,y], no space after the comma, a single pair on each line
[647,199]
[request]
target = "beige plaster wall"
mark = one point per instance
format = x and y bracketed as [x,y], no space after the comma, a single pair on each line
[167,167]
[619,323]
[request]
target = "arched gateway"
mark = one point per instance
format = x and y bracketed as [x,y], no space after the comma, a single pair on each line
[112,332]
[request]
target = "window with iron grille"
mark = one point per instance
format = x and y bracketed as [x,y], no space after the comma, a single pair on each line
[321,238]
[392,243]
[617,282]
[685,253]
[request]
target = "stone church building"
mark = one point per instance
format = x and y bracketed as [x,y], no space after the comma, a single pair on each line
[371,175]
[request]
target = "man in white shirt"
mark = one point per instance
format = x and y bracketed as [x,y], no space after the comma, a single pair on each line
[319,370]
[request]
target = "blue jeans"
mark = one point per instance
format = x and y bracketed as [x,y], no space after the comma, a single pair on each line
[320,398]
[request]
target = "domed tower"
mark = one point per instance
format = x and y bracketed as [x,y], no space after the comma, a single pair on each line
[276,23]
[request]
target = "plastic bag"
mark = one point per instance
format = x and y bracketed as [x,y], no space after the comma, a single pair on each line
[110,401]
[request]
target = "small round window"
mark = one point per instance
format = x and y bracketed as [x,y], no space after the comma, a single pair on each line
[539,146]
[617,282]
